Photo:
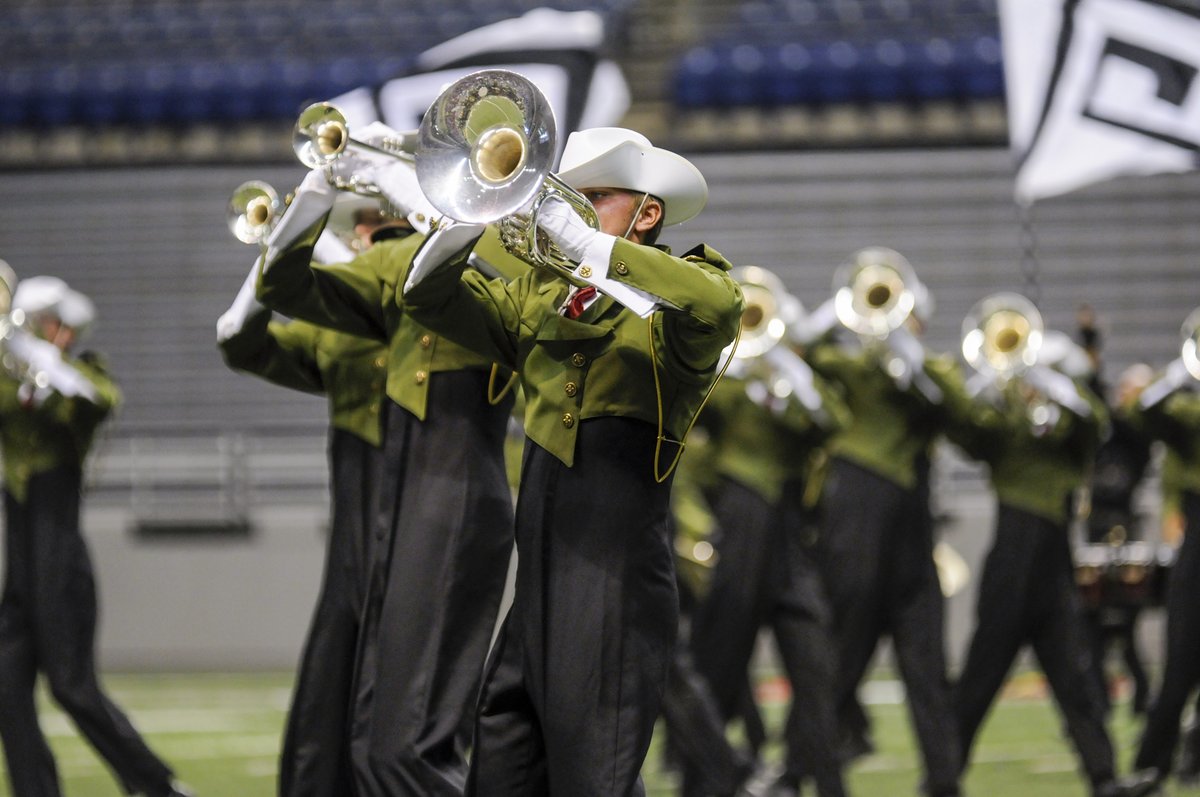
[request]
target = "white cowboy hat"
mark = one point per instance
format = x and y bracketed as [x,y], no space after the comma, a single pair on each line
[41,294]
[613,157]
[76,311]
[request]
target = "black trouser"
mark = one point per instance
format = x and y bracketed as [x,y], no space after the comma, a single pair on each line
[767,574]
[315,761]
[444,538]
[1027,594]
[1182,672]
[1111,626]
[48,625]
[712,766]
[878,543]
[575,681]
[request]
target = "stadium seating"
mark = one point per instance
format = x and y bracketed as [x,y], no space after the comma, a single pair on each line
[817,53]
[183,62]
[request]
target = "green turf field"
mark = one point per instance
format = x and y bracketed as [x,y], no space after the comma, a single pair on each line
[222,733]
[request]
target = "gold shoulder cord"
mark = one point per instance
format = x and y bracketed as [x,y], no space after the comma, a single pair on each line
[658,399]
[493,397]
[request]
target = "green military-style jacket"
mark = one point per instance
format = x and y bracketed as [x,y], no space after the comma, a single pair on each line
[890,428]
[364,298]
[601,364]
[37,439]
[1176,421]
[1032,471]
[350,370]
[763,449]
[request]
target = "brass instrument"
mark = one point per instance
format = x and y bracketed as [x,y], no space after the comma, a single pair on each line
[253,211]
[873,291]
[1190,348]
[321,136]
[484,152]
[769,309]
[1002,334]
[14,322]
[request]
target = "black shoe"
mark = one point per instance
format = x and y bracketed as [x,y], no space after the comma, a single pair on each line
[1143,783]
[173,789]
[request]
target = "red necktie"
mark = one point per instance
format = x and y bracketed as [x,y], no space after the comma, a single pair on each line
[576,303]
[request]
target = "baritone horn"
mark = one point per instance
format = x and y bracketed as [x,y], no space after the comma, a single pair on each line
[769,310]
[253,211]
[873,291]
[1002,335]
[322,135]
[483,156]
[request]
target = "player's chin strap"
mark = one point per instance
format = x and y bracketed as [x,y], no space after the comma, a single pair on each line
[660,478]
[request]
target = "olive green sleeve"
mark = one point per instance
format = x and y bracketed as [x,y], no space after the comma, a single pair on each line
[345,296]
[281,353]
[705,304]
[481,314]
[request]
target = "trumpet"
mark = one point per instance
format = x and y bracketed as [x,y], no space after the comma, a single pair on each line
[14,323]
[1002,335]
[322,135]
[873,291]
[483,156]
[254,210]
[1190,347]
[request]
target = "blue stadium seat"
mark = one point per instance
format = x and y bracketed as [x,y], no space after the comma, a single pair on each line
[151,92]
[884,71]
[17,96]
[697,77]
[55,95]
[743,83]
[932,70]
[792,76]
[104,94]
[981,68]
[837,71]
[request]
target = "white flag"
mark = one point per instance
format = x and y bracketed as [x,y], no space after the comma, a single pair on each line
[561,52]
[1100,89]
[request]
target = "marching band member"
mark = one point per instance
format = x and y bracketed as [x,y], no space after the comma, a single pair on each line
[350,371]
[877,528]
[443,530]
[1038,441]
[712,766]
[1169,409]
[48,419]
[575,681]
[765,421]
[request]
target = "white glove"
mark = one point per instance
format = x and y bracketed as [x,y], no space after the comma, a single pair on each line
[450,238]
[244,304]
[567,228]
[797,373]
[331,249]
[398,182]
[44,361]
[1174,377]
[1059,388]
[813,326]
[908,367]
[314,198]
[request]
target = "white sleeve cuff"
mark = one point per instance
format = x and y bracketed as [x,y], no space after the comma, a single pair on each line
[306,210]
[593,269]
[331,249]
[444,243]
[232,320]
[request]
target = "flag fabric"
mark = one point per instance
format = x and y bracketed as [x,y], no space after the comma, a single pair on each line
[561,52]
[1099,89]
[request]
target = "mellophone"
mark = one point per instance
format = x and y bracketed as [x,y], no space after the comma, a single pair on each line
[1131,574]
